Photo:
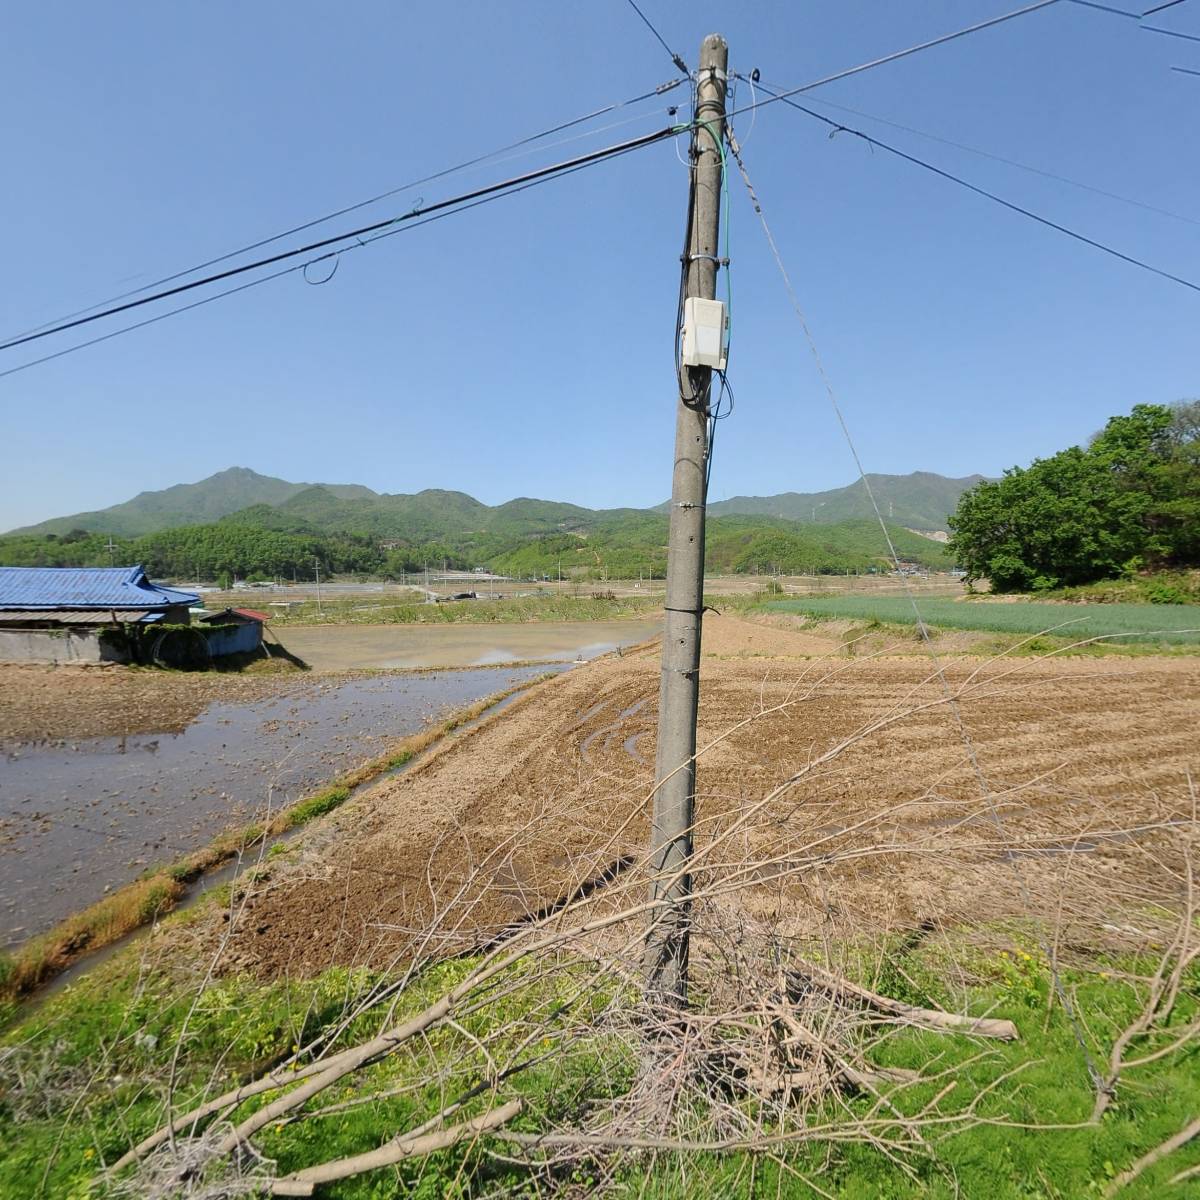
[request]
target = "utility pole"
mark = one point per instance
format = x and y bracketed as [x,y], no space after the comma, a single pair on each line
[317,564]
[112,551]
[666,950]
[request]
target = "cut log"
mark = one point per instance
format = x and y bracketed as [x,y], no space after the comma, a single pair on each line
[927,1018]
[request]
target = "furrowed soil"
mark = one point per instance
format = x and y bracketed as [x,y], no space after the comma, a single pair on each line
[1082,765]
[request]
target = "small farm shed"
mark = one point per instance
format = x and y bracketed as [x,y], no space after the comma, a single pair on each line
[79,614]
[233,631]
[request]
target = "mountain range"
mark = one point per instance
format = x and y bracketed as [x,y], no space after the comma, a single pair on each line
[921,501]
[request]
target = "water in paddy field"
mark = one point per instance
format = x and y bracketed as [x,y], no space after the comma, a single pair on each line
[82,818]
[347,647]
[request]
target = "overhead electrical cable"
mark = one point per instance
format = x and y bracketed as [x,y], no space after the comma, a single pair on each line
[1009,162]
[836,127]
[1187,37]
[660,90]
[677,59]
[1159,7]
[898,54]
[350,235]
[358,243]
[1117,12]
[1185,70]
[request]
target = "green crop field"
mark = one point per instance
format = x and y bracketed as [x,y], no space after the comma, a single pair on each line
[1170,623]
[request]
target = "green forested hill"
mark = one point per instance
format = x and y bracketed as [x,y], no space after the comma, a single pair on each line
[286,528]
[921,500]
[188,504]
[264,542]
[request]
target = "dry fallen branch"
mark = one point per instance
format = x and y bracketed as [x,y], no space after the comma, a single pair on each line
[927,1018]
[1173,1143]
[411,1145]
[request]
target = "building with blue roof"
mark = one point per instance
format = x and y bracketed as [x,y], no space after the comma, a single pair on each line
[61,614]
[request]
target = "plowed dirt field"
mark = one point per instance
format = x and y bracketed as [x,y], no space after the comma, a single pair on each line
[1062,807]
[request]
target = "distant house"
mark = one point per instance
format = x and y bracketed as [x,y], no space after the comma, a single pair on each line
[233,630]
[74,614]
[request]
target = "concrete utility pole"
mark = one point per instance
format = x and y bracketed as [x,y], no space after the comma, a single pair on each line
[666,951]
[317,564]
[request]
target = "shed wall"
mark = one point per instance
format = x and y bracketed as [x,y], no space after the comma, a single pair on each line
[56,646]
[240,639]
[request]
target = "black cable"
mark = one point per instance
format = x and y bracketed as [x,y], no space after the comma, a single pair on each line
[684,262]
[675,58]
[428,220]
[1187,37]
[412,214]
[835,127]
[716,414]
[1009,162]
[341,212]
[1117,12]
[1185,70]
[898,54]
[1158,8]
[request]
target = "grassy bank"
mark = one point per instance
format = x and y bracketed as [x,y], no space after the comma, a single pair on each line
[1159,587]
[1141,624]
[161,888]
[588,607]
[87,1075]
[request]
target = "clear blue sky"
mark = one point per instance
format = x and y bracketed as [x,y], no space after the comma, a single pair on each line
[525,348]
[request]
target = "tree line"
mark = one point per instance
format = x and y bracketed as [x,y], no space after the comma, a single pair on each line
[1128,501]
[240,548]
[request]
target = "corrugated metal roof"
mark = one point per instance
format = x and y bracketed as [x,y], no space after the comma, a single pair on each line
[253,614]
[66,616]
[224,613]
[85,588]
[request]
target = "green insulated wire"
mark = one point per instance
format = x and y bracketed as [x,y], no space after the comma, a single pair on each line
[720,142]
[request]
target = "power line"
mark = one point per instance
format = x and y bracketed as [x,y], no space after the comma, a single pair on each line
[1117,12]
[1017,208]
[675,58]
[358,244]
[1185,70]
[661,89]
[1159,8]
[1187,37]
[412,214]
[1010,162]
[889,58]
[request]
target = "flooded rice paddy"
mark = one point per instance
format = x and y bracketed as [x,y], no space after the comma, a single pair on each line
[349,647]
[81,817]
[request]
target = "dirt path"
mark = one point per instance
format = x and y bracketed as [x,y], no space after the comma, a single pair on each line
[547,795]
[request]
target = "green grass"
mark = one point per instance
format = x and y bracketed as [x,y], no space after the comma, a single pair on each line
[1138,623]
[317,805]
[84,1075]
[1158,587]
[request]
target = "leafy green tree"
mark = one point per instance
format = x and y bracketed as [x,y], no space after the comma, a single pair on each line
[1130,499]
